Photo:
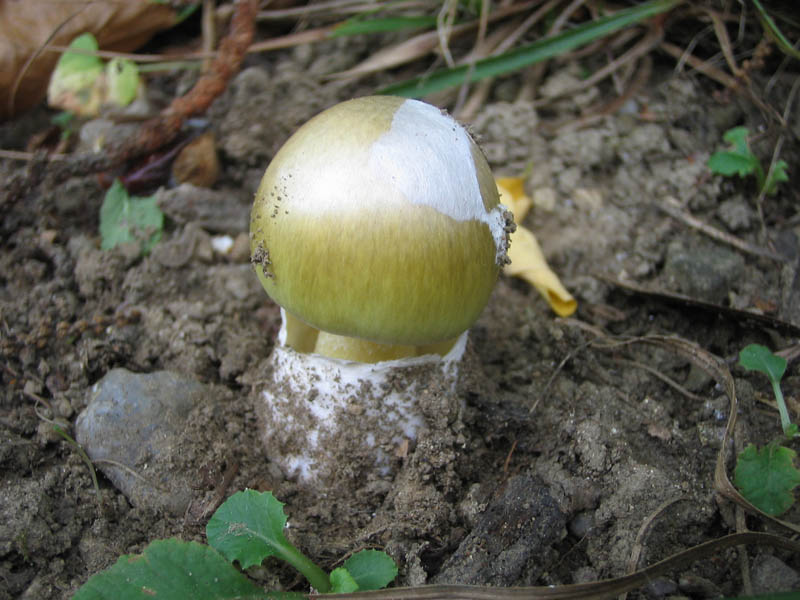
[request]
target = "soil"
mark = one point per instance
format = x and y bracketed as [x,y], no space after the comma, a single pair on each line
[563,448]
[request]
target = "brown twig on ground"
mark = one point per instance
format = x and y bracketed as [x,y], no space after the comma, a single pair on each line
[644,530]
[160,131]
[209,31]
[599,111]
[710,71]
[725,43]
[673,208]
[644,46]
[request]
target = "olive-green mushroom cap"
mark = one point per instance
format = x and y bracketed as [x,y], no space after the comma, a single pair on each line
[380,219]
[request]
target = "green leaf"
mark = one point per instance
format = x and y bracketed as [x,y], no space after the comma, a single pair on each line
[738,160]
[342,582]
[732,163]
[760,358]
[737,138]
[767,476]
[371,569]
[78,65]
[122,78]
[72,84]
[128,219]
[525,56]
[778,175]
[171,570]
[248,528]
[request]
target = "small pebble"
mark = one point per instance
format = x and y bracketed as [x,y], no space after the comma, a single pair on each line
[132,427]
[770,574]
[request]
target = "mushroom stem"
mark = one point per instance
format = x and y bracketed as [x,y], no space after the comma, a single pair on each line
[349,348]
[328,420]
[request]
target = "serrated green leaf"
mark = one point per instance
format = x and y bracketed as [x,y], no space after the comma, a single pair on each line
[767,477]
[248,528]
[342,582]
[737,137]
[756,357]
[371,569]
[129,219]
[732,163]
[122,79]
[171,570]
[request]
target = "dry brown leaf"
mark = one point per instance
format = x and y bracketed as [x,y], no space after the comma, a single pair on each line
[26,28]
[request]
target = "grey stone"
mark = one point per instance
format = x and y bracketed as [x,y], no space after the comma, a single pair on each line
[770,574]
[705,272]
[698,587]
[736,213]
[581,524]
[212,210]
[660,587]
[508,545]
[131,428]
[643,140]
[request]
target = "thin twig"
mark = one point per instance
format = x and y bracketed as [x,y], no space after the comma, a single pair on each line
[608,588]
[638,546]
[209,31]
[724,42]
[19,155]
[600,111]
[673,208]
[645,45]
[683,56]
[661,376]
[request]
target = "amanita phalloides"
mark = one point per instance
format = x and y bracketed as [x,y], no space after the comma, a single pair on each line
[378,229]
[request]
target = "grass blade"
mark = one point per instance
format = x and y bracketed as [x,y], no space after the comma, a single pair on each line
[530,54]
[773,32]
[357,25]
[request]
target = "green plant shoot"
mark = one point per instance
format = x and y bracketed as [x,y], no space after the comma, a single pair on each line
[767,476]
[247,528]
[740,160]
[128,219]
[759,358]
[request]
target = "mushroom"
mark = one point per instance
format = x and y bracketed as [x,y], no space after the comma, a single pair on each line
[377,228]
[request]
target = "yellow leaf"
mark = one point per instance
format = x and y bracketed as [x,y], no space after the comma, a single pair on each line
[512,194]
[527,259]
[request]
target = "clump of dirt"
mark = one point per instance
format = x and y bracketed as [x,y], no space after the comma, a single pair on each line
[580,435]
